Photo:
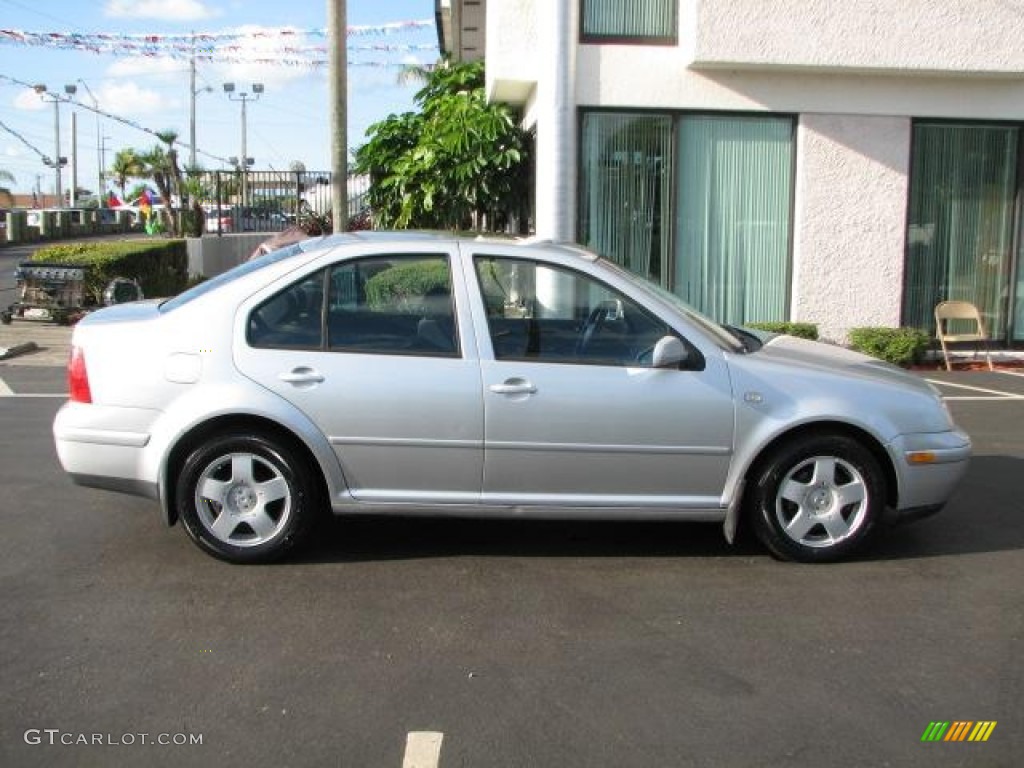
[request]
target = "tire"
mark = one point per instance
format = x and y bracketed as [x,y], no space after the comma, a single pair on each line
[817,498]
[246,498]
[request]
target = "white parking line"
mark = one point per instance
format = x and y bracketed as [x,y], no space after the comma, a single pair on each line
[992,394]
[6,391]
[1011,373]
[422,749]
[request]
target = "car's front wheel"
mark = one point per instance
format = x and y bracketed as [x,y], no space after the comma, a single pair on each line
[245,498]
[816,498]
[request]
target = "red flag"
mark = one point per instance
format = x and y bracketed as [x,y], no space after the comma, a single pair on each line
[145,202]
[113,202]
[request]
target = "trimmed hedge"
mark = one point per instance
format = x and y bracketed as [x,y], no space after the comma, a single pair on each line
[159,266]
[800,330]
[900,346]
[396,286]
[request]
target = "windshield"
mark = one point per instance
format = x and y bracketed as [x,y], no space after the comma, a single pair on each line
[243,269]
[721,335]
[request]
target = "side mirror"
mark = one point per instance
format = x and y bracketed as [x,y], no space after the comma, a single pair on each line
[669,352]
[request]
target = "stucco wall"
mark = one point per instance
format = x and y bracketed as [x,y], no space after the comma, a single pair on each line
[657,78]
[849,223]
[512,60]
[946,36]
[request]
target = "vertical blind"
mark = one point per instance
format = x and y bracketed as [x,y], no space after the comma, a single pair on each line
[962,184]
[625,192]
[629,18]
[735,192]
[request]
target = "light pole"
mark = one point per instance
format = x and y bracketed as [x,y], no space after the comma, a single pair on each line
[58,161]
[245,161]
[71,90]
[99,142]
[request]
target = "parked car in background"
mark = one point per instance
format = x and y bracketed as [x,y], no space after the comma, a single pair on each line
[219,218]
[396,373]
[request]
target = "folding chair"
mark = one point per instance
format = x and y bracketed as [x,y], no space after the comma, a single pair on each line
[947,311]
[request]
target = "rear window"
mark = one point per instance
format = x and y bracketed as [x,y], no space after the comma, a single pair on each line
[243,269]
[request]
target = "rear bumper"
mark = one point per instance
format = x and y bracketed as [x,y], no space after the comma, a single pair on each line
[105,447]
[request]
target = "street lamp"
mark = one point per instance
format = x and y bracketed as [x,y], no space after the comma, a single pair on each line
[245,160]
[41,89]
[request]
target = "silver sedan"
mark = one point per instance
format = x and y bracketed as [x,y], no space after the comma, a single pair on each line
[417,374]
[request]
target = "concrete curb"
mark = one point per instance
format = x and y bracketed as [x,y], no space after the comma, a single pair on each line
[6,353]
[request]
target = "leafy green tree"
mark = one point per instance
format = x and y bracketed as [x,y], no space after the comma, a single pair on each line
[453,164]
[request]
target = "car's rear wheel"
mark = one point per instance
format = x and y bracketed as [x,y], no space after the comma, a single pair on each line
[245,498]
[817,498]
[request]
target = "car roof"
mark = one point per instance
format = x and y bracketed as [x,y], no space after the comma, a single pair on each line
[404,236]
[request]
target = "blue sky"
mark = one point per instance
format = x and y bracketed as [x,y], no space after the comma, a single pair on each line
[288,123]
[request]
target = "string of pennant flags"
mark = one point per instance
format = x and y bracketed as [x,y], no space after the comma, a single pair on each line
[278,46]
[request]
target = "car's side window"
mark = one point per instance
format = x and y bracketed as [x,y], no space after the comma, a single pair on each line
[539,312]
[393,305]
[291,318]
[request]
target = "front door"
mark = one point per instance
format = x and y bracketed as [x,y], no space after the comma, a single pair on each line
[574,413]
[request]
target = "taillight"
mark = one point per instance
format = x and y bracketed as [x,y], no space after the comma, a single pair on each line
[78,377]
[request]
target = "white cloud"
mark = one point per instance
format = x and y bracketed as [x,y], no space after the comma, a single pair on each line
[129,99]
[264,43]
[141,66]
[167,10]
[29,100]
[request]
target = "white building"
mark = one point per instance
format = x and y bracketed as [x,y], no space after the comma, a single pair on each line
[842,162]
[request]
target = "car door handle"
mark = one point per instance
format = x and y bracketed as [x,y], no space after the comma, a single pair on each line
[513,387]
[301,376]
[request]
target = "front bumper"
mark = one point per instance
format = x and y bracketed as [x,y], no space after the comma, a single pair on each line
[929,467]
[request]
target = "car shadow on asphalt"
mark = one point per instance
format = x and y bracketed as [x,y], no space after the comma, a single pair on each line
[983,517]
[407,538]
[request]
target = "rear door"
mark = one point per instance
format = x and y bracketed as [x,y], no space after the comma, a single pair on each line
[372,350]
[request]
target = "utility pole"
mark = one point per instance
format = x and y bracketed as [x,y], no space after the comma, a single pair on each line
[337,31]
[73,194]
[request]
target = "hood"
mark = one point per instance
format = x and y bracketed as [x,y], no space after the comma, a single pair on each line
[832,359]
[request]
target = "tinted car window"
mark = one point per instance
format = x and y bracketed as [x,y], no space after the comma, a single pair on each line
[392,305]
[292,318]
[544,313]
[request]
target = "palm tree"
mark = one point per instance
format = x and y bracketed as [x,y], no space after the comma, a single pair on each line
[126,166]
[161,165]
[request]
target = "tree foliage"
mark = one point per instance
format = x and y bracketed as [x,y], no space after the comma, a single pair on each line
[6,196]
[452,163]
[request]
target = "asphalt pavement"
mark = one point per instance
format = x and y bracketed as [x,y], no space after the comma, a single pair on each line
[504,643]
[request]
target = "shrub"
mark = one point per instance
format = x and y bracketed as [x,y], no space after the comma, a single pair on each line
[900,346]
[396,286]
[160,266]
[800,330]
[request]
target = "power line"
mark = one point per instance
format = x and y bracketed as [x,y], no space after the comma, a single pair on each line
[112,116]
[23,140]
